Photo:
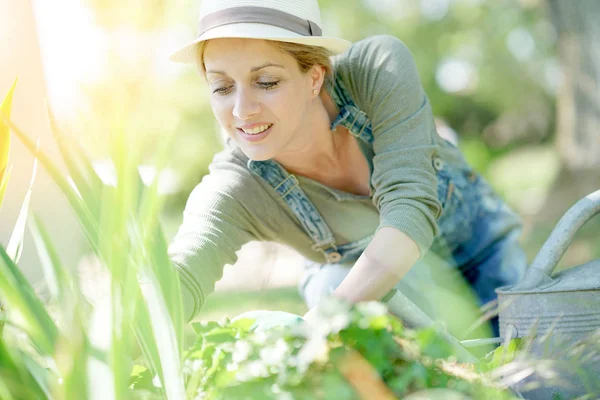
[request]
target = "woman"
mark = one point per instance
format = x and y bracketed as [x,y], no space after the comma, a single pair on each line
[336,157]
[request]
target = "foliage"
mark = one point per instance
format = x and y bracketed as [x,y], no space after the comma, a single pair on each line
[68,347]
[240,359]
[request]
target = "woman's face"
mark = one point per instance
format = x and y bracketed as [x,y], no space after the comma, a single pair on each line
[259,95]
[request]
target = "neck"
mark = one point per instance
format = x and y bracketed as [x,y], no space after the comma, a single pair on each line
[319,152]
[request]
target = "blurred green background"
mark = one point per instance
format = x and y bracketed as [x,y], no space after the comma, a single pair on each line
[499,73]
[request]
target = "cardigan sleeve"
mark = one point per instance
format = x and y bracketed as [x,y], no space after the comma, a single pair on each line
[215,226]
[384,82]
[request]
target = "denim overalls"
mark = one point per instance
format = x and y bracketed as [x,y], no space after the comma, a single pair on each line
[478,232]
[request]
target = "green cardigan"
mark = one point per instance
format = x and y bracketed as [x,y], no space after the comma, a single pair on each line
[233,206]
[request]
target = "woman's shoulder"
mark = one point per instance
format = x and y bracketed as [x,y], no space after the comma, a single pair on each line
[380,69]
[373,50]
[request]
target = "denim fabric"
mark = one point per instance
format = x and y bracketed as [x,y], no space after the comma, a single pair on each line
[478,236]
[478,232]
[286,185]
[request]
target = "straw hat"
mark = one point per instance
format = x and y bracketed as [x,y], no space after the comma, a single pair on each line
[296,21]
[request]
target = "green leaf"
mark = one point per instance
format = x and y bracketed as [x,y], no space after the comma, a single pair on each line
[4,184]
[73,360]
[432,344]
[26,310]
[79,165]
[20,376]
[168,278]
[204,326]
[42,376]
[57,277]
[5,110]
[15,244]
[145,337]
[166,339]
[141,378]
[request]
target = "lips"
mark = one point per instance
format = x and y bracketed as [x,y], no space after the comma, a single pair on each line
[255,129]
[246,134]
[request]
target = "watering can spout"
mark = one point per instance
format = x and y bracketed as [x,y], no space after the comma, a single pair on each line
[538,275]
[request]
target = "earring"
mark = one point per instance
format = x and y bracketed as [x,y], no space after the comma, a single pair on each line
[316,91]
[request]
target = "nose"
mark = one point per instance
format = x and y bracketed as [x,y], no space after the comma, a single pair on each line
[246,105]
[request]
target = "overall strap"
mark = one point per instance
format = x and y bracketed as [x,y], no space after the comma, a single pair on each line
[286,185]
[350,116]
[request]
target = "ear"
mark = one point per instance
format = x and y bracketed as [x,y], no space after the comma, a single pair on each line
[317,77]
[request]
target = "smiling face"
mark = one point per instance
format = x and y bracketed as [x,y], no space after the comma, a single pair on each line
[260,96]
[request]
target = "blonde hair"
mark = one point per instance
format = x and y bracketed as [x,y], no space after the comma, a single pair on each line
[306,56]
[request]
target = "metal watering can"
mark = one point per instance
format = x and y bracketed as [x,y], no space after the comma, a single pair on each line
[563,309]
[565,306]
[569,302]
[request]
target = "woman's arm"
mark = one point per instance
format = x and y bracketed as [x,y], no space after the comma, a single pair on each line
[215,226]
[385,261]
[383,80]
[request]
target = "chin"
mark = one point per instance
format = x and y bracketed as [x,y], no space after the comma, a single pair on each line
[257,155]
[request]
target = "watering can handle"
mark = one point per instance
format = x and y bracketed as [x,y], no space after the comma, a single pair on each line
[559,240]
[401,306]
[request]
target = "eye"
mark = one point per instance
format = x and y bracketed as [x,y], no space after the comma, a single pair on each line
[268,85]
[223,90]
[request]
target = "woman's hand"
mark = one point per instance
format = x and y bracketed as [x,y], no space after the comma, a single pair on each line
[310,314]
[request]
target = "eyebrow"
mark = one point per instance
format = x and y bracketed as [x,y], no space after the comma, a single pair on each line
[253,69]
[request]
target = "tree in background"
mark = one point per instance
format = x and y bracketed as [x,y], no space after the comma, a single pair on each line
[578,107]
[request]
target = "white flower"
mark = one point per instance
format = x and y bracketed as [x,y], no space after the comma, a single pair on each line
[339,322]
[274,355]
[241,351]
[332,305]
[156,381]
[372,309]
[232,366]
[259,337]
[257,369]
[314,350]
[197,364]
[252,370]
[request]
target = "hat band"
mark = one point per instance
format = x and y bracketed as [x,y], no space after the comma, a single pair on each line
[261,15]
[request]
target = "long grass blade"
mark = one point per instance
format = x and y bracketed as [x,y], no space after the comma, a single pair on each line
[153,239]
[15,244]
[79,165]
[146,339]
[84,216]
[100,376]
[5,110]
[121,335]
[166,340]
[20,375]
[4,184]
[57,277]
[42,376]
[170,286]
[26,311]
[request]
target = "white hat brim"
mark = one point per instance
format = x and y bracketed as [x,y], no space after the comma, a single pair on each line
[188,53]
